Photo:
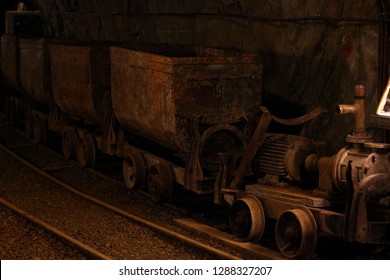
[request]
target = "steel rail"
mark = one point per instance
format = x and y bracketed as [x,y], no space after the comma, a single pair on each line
[56,232]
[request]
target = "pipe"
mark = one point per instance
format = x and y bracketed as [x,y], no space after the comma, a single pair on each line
[360,101]
[359,109]
[346,108]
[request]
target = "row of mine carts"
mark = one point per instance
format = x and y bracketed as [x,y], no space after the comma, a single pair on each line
[192,117]
[102,97]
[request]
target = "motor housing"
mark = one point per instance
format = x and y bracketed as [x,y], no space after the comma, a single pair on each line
[284,156]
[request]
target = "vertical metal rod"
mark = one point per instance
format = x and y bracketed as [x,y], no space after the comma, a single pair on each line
[360,101]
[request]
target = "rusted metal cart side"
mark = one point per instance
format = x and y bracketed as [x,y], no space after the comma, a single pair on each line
[26,68]
[191,101]
[80,79]
[17,24]
[10,67]
[35,81]
[35,69]
[10,60]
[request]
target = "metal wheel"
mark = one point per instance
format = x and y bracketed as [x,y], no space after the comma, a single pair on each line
[40,131]
[69,143]
[160,182]
[296,233]
[134,169]
[86,151]
[247,219]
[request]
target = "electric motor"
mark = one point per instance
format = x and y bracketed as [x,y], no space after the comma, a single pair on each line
[284,156]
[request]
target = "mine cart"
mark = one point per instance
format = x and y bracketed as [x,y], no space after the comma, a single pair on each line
[193,102]
[80,76]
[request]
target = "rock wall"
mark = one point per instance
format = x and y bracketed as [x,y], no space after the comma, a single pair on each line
[315,51]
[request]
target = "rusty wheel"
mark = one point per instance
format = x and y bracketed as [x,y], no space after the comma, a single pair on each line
[40,131]
[160,182]
[86,151]
[296,233]
[69,143]
[247,219]
[134,169]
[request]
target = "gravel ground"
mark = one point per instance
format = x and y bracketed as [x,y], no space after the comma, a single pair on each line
[99,228]
[19,239]
[113,235]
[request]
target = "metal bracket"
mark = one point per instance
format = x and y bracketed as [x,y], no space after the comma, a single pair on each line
[252,148]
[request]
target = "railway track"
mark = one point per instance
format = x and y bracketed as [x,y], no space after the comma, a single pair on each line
[74,243]
[216,253]
[155,227]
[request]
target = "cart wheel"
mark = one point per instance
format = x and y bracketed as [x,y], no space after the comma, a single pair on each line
[40,131]
[134,169]
[86,151]
[160,182]
[247,219]
[296,233]
[69,143]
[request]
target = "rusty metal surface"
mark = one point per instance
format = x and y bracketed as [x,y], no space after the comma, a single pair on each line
[365,161]
[157,93]
[284,156]
[361,215]
[35,69]
[359,134]
[302,119]
[253,146]
[276,201]
[294,195]
[81,80]
[10,60]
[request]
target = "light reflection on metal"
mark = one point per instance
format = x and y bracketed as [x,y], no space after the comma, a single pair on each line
[384,104]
